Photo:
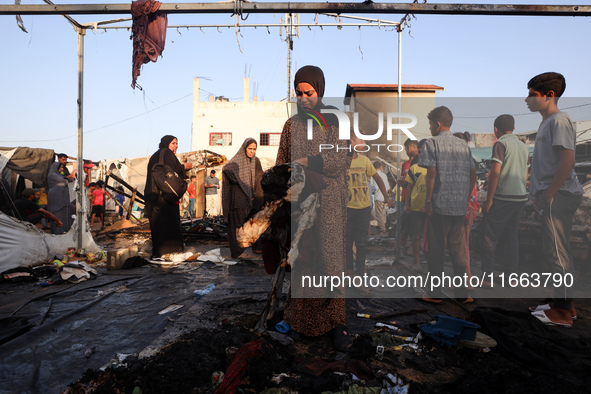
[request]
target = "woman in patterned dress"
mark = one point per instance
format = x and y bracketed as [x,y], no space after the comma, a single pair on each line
[317,316]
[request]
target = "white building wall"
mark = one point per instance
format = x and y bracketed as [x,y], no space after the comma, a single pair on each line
[243,119]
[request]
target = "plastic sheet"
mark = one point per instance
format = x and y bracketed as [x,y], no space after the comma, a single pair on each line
[114,313]
[22,244]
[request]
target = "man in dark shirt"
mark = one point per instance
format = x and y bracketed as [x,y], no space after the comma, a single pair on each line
[29,211]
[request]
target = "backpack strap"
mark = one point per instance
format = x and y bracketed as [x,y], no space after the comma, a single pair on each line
[160,162]
[160,158]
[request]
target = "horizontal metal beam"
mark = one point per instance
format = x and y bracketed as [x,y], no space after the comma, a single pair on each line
[302,8]
[255,25]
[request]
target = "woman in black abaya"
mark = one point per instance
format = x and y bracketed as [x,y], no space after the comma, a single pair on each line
[165,220]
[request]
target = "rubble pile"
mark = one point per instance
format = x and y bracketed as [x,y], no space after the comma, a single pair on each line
[200,362]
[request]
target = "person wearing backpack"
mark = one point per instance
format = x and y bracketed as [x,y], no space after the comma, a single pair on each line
[161,210]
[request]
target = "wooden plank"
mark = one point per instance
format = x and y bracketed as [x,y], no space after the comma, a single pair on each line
[130,206]
[127,185]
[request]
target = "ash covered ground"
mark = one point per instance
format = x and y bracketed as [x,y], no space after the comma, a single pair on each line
[185,350]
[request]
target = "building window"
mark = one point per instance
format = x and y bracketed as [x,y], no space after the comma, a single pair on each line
[220,139]
[270,139]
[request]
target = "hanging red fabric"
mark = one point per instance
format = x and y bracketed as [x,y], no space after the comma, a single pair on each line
[148,33]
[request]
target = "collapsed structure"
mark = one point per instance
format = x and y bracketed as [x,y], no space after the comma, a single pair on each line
[22,243]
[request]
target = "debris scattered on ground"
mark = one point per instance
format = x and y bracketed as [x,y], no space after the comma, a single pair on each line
[200,293]
[170,308]
[215,256]
[177,258]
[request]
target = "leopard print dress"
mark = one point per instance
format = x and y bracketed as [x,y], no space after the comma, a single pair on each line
[316,316]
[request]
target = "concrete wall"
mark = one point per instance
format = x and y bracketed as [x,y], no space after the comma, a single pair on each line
[243,119]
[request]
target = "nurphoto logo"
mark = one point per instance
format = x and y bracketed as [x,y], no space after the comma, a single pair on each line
[317,117]
[394,121]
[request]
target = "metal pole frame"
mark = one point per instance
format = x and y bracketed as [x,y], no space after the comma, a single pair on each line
[80,189]
[272,7]
[398,191]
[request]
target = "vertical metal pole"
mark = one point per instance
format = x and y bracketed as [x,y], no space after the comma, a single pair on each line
[398,191]
[80,194]
[288,40]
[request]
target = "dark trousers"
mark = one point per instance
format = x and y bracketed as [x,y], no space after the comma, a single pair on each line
[357,228]
[557,224]
[450,229]
[34,217]
[501,220]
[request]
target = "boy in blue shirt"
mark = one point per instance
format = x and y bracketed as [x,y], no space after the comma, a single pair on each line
[119,200]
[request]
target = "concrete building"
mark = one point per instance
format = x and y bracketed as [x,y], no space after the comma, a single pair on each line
[221,126]
[369,100]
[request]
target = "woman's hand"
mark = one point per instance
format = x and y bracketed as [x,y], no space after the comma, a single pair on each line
[303,161]
[188,166]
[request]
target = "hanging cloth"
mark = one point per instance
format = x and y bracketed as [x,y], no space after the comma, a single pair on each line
[148,33]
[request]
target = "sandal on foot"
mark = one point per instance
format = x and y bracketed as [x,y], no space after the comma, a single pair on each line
[545,307]
[541,307]
[541,316]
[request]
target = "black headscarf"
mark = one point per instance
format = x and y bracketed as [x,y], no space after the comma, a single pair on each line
[165,141]
[312,75]
[315,77]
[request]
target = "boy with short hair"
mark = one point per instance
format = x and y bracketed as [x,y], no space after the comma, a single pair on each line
[191,189]
[359,206]
[451,175]
[506,195]
[212,202]
[97,203]
[414,204]
[555,188]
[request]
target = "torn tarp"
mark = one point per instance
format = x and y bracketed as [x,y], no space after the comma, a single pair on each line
[19,20]
[148,34]
[31,163]
[22,244]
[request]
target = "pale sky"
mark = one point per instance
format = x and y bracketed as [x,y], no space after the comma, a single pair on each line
[470,56]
